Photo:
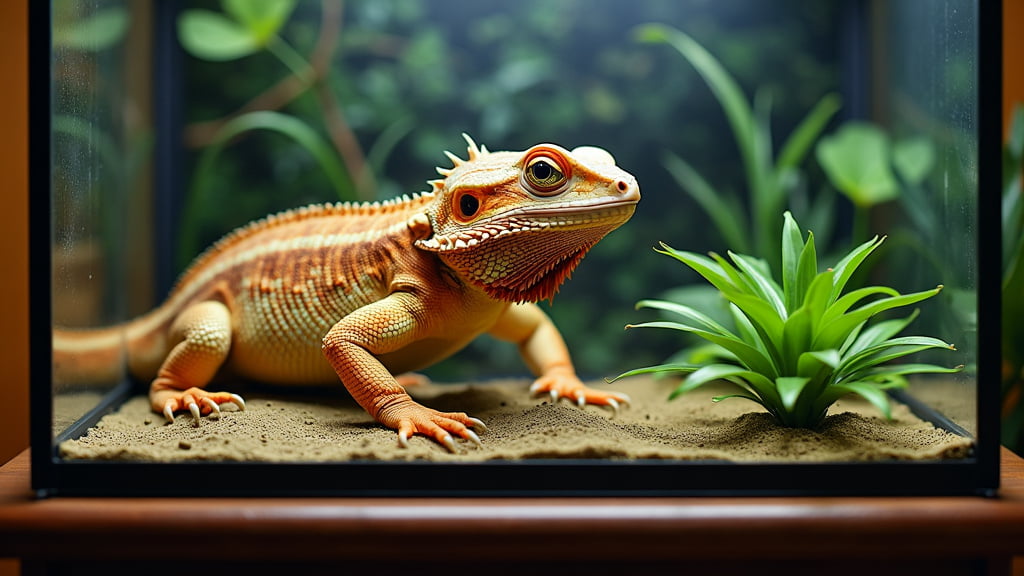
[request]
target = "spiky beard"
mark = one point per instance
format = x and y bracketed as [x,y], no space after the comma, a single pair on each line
[524,267]
[537,286]
[524,257]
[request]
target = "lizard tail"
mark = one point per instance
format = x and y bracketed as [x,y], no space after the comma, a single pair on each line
[93,357]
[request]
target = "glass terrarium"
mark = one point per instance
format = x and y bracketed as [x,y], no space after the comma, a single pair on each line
[810,279]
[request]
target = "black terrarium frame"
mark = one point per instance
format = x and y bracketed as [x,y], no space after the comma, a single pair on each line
[52,475]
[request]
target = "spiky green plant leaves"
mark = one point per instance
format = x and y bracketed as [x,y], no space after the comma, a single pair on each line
[799,346]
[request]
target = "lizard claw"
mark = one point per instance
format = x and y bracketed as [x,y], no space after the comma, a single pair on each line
[448,442]
[237,401]
[197,401]
[411,418]
[611,402]
[561,386]
[539,387]
[213,406]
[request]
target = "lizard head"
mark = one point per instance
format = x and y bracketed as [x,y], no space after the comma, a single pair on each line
[516,224]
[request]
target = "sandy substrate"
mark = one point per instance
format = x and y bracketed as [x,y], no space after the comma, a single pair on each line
[307,427]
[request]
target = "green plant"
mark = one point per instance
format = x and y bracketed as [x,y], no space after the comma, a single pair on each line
[862,162]
[771,182]
[244,29]
[800,346]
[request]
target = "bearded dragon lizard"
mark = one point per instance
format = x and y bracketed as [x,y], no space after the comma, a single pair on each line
[361,292]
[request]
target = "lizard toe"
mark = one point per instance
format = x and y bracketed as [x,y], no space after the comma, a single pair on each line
[442,427]
[196,401]
[576,391]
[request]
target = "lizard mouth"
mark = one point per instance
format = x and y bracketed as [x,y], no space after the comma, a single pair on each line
[525,255]
[537,220]
[596,207]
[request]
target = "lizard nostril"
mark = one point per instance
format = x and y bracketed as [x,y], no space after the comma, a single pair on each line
[622,186]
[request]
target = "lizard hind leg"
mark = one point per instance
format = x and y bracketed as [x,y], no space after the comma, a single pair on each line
[202,339]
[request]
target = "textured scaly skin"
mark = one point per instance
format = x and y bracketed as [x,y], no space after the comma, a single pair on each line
[362,292]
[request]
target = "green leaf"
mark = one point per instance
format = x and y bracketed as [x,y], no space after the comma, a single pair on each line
[913,159]
[212,36]
[821,214]
[761,283]
[817,297]
[904,369]
[709,269]
[767,195]
[760,312]
[701,354]
[880,332]
[723,85]
[867,390]
[840,306]
[750,397]
[790,388]
[746,330]
[99,31]
[686,312]
[738,280]
[810,363]
[763,387]
[703,297]
[747,355]
[762,316]
[289,126]
[835,332]
[801,139]
[856,161]
[792,248]
[849,264]
[388,140]
[796,338]
[262,18]
[726,220]
[887,351]
[659,369]
[807,266]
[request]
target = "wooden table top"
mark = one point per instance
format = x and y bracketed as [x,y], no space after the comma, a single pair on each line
[363,529]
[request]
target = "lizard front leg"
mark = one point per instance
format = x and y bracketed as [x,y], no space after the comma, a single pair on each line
[352,346]
[202,339]
[544,351]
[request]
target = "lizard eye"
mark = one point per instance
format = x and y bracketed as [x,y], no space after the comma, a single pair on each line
[545,173]
[468,205]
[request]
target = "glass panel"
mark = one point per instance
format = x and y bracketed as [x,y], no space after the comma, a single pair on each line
[729,113]
[99,190]
[928,97]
